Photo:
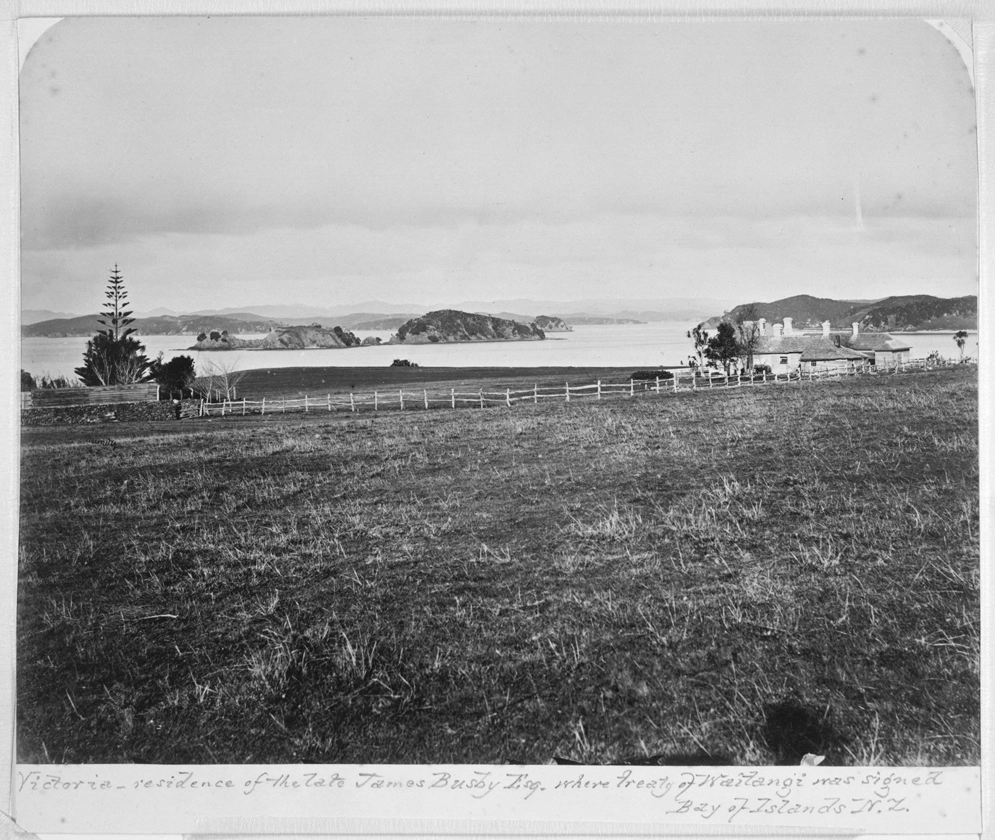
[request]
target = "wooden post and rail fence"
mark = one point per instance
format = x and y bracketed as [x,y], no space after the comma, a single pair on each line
[679,381]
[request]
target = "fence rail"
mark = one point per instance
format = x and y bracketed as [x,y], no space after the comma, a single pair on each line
[680,381]
[105,395]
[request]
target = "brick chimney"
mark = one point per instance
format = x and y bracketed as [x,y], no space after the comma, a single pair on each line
[825,329]
[788,329]
[762,323]
[856,328]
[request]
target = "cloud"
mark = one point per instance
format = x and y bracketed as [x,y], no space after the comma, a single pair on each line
[633,255]
[427,152]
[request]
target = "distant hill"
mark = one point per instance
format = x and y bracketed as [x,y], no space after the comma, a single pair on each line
[452,325]
[919,312]
[642,309]
[802,309]
[308,313]
[601,319]
[33,316]
[379,322]
[160,325]
[899,313]
[508,316]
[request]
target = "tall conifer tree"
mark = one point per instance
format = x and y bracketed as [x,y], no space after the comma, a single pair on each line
[117,319]
[112,356]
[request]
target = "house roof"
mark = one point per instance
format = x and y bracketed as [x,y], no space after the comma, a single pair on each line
[824,350]
[811,348]
[876,341]
[789,344]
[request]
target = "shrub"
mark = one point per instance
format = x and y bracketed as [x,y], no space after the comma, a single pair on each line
[652,374]
[175,377]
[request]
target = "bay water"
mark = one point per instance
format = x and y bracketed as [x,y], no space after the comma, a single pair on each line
[659,344]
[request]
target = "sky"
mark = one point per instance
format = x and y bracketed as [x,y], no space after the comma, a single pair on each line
[231,161]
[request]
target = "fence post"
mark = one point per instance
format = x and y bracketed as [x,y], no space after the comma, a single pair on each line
[599,389]
[452,395]
[507,396]
[632,387]
[566,390]
[243,406]
[481,395]
[263,410]
[658,384]
[425,393]
[352,402]
[376,401]
[305,403]
[676,374]
[400,395]
[283,405]
[765,376]
[535,392]
[328,401]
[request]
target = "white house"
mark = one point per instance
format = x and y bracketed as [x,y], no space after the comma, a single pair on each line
[784,351]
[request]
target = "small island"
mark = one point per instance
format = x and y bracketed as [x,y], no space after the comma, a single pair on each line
[550,323]
[451,325]
[286,338]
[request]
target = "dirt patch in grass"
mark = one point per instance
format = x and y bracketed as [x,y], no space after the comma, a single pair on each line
[736,574]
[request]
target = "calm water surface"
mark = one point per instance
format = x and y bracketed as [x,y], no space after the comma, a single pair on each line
[663,343]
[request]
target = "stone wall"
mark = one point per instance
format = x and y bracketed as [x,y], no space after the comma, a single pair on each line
[84,414]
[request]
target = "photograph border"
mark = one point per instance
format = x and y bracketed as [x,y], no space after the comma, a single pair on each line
[982,19]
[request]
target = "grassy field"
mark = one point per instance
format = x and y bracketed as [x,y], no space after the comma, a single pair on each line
[737,576]
[316,382]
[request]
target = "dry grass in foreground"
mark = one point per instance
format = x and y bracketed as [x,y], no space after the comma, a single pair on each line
[740,575]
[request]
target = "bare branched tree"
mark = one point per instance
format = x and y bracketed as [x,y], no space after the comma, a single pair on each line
[700,339]
[747,322]
[219,380]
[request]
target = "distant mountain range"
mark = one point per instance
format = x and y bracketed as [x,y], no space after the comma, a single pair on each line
[901,313]
[604,319]
[904,312]
[158,325]
[373,315]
